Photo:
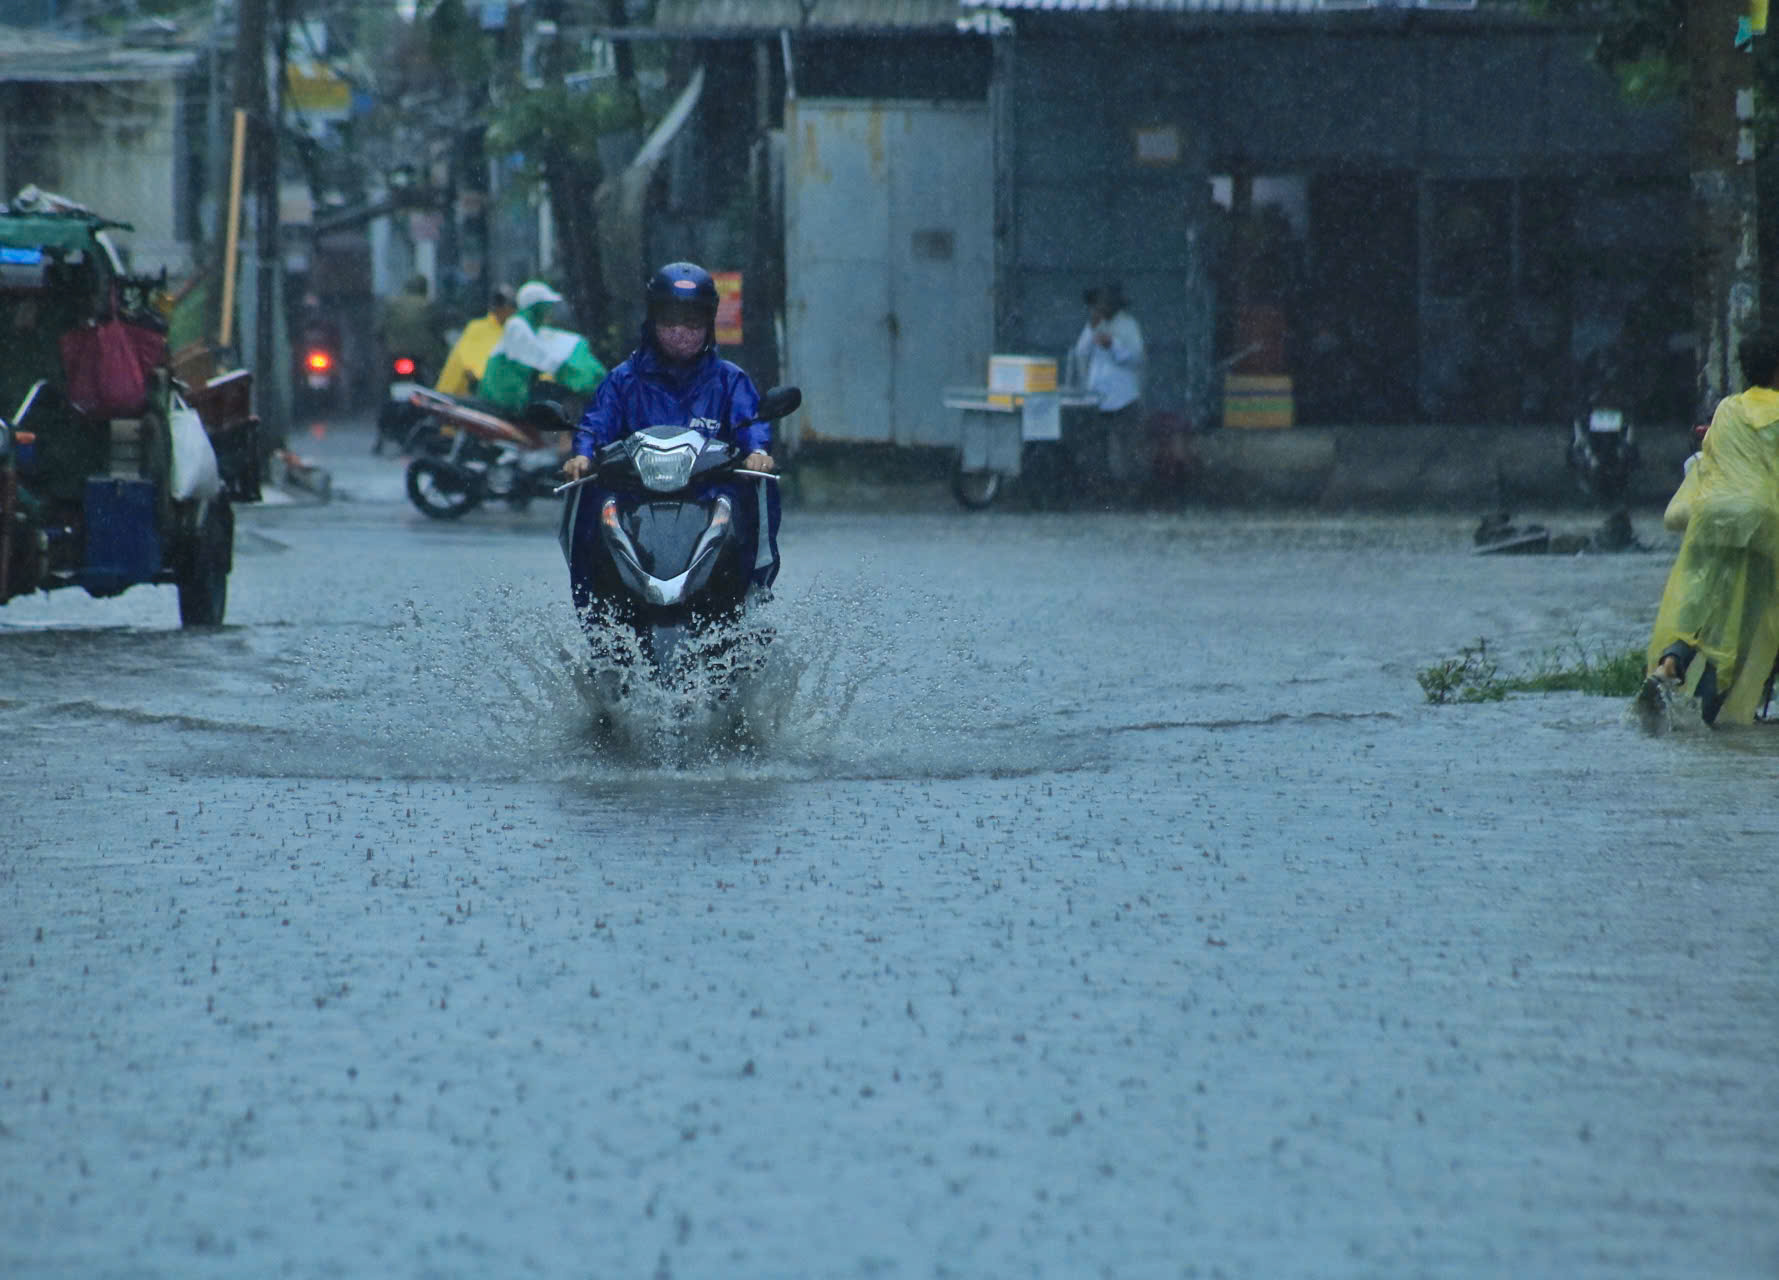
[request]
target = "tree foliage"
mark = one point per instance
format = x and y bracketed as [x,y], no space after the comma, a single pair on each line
[1642,43]
[560,122]
[557,128]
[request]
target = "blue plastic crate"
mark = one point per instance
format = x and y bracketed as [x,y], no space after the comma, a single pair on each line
[123,544]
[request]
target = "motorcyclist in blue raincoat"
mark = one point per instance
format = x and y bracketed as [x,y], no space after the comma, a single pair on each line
[676,378]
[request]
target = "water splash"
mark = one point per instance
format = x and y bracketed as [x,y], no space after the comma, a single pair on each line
[857,680]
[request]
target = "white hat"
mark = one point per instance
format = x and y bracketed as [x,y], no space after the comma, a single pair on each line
[536,291]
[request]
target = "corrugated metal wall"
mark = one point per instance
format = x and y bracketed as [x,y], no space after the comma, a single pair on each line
[1087,209]
[1082,207]
[889,264]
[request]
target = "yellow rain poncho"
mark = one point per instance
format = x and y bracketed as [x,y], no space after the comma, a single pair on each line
[464,366]
[1722,596]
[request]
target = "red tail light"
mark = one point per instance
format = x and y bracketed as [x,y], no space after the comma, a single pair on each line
[318,361]
[404,367]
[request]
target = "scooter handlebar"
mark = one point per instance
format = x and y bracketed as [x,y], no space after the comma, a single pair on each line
[740,473]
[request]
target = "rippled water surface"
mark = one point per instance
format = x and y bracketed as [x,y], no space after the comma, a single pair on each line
[1091,895]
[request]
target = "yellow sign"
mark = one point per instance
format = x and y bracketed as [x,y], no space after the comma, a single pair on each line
[315,90]
[728,306]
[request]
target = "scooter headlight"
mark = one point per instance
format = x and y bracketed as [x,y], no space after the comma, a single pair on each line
[665,470]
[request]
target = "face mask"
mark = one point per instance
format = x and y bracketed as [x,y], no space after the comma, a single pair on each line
[679,341]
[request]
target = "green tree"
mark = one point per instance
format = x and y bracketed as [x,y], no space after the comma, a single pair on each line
[1689,49]
[557,129]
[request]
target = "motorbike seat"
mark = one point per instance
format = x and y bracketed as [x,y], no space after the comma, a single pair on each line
[479,405]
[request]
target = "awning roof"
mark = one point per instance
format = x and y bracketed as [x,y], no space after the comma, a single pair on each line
[734,18]
[39,57]
[1248,7]
[741,17]
[1157,6]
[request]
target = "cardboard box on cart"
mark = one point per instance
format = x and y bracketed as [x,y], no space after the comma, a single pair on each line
[1010,377]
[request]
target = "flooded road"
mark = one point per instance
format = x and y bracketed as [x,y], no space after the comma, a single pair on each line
[1105,900]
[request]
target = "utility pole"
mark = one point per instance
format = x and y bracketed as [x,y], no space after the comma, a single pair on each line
[571,182]
[256,97]
[215,178]
[1726,270]
[761,288]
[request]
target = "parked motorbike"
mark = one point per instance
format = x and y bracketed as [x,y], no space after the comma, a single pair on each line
[465,455]
[671,572]
[1603,451]
[397,414]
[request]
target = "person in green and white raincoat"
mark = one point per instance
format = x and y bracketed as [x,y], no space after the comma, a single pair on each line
[529,349]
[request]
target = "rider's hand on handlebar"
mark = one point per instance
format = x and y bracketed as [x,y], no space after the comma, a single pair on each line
[758,460]
[577,466]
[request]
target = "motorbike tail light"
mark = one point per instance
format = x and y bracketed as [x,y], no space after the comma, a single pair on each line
[404,367]
[318,361]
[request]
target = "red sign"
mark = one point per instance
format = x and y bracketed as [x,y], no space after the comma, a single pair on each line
[728,306]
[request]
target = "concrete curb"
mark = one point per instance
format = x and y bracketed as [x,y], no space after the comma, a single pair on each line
[1333,469]
[1406,468]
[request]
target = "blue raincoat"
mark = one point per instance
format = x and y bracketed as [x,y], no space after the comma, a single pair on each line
[710,395]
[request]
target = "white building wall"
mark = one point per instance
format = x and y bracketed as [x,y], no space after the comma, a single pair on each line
[109,145]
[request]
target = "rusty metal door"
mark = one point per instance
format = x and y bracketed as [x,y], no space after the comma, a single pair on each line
[889,265]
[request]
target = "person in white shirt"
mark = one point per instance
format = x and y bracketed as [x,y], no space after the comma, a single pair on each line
[1108,359]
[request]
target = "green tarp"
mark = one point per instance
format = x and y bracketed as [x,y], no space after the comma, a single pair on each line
[64,231]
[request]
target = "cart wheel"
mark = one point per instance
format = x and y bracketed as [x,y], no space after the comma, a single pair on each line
[203,581]
[976,489]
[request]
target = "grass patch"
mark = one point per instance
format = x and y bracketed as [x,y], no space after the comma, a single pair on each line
[1475,676]
[1609,673]
[1472,676]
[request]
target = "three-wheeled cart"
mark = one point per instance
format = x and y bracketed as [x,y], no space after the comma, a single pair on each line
[998,429]
[114,470]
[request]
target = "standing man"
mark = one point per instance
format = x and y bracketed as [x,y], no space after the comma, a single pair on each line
[464,366]
[1108,359]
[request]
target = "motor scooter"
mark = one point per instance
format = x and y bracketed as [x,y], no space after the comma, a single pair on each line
[397,414]
[466,455]
[320,381]
[681,544]
[1603,451]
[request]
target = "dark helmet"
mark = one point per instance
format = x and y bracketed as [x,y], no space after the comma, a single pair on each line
[682,282]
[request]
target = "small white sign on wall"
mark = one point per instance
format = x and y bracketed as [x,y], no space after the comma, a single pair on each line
[1157,144]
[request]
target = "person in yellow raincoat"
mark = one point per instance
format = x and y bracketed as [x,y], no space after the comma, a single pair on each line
[1717,630]
[463,367]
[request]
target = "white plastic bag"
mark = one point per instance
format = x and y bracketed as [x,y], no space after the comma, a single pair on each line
[195,474]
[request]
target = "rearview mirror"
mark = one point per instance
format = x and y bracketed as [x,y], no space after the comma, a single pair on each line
[546,415]
[778,403]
